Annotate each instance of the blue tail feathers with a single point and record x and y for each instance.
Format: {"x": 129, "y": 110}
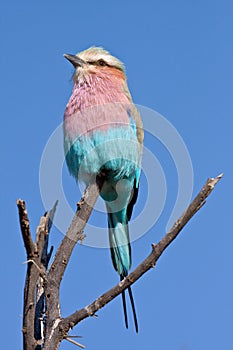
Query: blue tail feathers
{"x": 121, "y": 253}
{"x": 119, "y": 242}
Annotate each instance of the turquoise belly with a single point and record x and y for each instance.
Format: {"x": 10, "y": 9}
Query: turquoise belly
{"x": 114, "y": 152}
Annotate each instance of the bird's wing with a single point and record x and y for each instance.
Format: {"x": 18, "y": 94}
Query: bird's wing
{"x": 135, "y": 115}
{"x": 136, "y": 123}
{"x": 133, "y": 200}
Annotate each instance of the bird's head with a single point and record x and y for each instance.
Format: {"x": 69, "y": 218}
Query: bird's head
{"x": 95, "y": 61}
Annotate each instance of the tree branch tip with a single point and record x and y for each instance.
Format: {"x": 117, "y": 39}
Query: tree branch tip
{"x": 213, "y": 181}
{"x": 74, "y": 336}
{"x": 53, "y": 208}
{"x": 52, "y": 211}
{"x": 21, "y": 206}
{"x": 74, "y": 342}
{"x": 220, "y": 176}
{"x": 20, "y": 201}
{"x": 56, "y": 203}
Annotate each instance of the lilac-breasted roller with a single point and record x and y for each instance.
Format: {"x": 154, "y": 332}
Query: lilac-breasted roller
{"x": 103, "y": 137}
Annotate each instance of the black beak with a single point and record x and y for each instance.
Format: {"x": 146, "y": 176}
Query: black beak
{"x": 75, "y": 60}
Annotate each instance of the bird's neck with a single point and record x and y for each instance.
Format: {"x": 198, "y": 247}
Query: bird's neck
{"x": 97, "y": 89}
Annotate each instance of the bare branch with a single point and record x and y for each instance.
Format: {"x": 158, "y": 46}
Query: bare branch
{"x": 75, "y": 342}
{"x": 31, "y": 278}
{"x": 58, "y": 266}
{"x": 148, "y": 263}
{"x": 36, "y": 272}
{"x": 57, "y": 328}
{"x": 42, "y": 238}
{"x": 25, "y": 228}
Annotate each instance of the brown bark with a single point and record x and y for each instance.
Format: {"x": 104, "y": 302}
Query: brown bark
{"x": 56, "y": 327}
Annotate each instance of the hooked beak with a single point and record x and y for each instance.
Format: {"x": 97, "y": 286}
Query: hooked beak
{"x": 75, "y": 60}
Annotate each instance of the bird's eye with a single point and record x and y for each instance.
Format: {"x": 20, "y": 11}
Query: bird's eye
{"x": 102, "y": 63}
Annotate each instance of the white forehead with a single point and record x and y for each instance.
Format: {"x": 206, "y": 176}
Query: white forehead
{"x": 97, "y": 53}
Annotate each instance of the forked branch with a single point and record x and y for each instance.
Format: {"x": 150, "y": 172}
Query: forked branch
{"x": 149, "y": 262}
{"x": 57, "y": 328}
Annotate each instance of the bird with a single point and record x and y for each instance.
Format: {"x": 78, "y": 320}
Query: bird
{"x": 103, "y": 136}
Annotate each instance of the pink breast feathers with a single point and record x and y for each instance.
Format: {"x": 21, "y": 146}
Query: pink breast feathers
{"x": 95, "y": 107}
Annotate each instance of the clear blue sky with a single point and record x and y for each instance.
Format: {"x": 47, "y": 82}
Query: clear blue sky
{"x": 178, "y": 56}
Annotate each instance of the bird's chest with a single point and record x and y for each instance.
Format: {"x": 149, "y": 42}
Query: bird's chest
{"x": 95, "y": 107}
{"x": 98, "y": 134}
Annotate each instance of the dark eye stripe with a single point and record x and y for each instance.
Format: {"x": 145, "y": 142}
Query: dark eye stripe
{"x": 98, "y": 63}
{"x": 103, "y": 63}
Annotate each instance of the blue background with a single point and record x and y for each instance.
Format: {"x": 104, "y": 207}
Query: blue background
{"x": 178, "y": 56}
